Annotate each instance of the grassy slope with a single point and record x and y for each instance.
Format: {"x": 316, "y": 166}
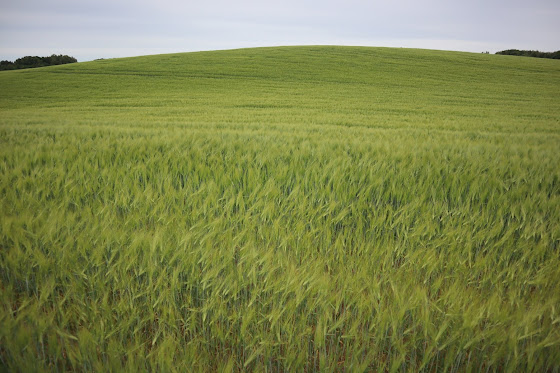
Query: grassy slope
{"x": 293, "y": 207}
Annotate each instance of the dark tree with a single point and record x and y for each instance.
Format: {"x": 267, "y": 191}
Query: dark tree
{"x": 7, "y": 65}
{"x": 35, "y": 61}
{"x": 517, "y": 52}
{"x": 29, "y": 61}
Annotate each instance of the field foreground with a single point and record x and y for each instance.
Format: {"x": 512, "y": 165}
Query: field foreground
{"x": 282, "y": 209}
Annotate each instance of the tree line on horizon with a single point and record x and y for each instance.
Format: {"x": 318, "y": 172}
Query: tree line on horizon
{"x": 59, "y": 59}
{"x": 530, "y": 53}
{"x": 35, "y": 61}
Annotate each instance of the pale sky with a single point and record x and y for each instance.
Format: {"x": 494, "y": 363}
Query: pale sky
{"x": 90, "y": 29}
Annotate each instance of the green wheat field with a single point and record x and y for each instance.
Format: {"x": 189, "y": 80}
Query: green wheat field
{"x": 287, "y": 209}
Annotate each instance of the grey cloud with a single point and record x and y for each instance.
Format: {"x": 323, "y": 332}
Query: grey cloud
{"x": 130, "y": 26}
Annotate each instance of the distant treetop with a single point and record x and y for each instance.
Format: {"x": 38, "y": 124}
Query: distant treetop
{"x": 516, "y": 52}
{"x": 34, "y": 61}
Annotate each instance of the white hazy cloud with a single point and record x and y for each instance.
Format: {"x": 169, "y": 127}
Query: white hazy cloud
{"x": 102, "y": 28}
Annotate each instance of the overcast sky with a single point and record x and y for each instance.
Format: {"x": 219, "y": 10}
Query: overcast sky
{"x": 89, "y": 29}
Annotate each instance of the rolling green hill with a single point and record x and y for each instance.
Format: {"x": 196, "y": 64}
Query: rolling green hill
{"x": 282, "y": 209}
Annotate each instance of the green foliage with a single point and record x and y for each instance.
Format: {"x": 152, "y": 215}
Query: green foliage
{"x": 281, "y": 209}
{"x": 34, "y": 61}
{"x": 517, "y": 52}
